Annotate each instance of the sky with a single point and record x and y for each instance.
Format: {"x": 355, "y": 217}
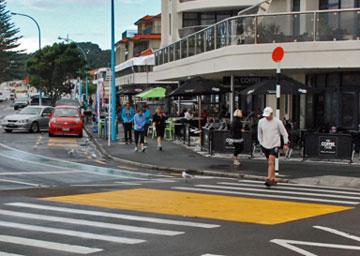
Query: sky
{"x": 81, "y": 20}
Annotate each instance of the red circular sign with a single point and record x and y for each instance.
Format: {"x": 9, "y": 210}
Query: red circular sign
{"x": 278, "y": 54}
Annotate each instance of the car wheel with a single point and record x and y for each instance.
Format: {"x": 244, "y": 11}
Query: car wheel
{"x": 81, "y": 134}
{"x": 15, "y": 108}
{"x": 35, "y": 127}
{"x": 8, "y": 130}
{"x": 51, "y": 135}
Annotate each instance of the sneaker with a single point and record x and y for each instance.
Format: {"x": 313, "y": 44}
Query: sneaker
{"x": 236, "y": 162}
{"x": 143, "y": 150}
{"x": 160, "y": 148}
{"x": 136, "y": 149}
{"x": 268, "y": 183}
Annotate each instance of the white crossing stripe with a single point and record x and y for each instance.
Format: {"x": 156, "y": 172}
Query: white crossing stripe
{"x": 302, "y": 185}
{"x": 9, "y": 254}
{"x": 339, "y": 233}
{"x": 113, "y": 215}
{"x": 211, "y": 255}
{"x": 72, "y": 233}
{"x": 274, "y": 191}
{"x": 91, "y": 223}
{"x": 266, "y": 195}
{"x": 48, "y": 245}
{"x": 281, "y": 187}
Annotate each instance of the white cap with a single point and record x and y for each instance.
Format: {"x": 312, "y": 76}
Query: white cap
{"x": 268, "y": 111}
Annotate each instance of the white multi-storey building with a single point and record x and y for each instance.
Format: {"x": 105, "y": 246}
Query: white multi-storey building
{"x": 321, "y": 39}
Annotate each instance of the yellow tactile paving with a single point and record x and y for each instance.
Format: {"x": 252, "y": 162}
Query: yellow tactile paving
{"x": 62, "y": 142}
{"x": 203, "y": 205}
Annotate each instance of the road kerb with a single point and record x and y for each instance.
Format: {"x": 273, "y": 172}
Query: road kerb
{"x": 106, "y": 155}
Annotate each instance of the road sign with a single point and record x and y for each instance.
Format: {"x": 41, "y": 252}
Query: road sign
{"x": 278, "y": 54}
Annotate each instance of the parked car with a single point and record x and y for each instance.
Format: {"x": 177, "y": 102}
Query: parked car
{"x": 66, "y": 120}
{"x": 21, "y": 102}
{"x": 31, "y": 119}
{"x": 2, "y": 97}
{"x": 68, "y": 102}
{"x": 45, "y": 101}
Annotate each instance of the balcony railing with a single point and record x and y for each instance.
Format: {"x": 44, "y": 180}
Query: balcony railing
{"x": 324, "y": 25}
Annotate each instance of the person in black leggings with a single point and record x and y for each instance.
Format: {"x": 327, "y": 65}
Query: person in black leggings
{"x": 159, "y": 123}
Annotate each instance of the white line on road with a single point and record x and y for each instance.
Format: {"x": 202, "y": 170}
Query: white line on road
{"x": 337, "y": 232}
{"x": 38, "y": 173}
{"x": 21, "y": 183}
{"x": 266, "y": 195}
{"x": 48, "y": 245}
{"x": 78, "y": 164}
{"x": 91, "y": 223}
{"x": 114, "y": 215}
{"x": 289, "y": 245}
{"x": 211, "y": 255}
{"x": 291, "y": 188}
{"x": 274, "y": 191}
{"x": 9, "y": 254}
{"x": 66, "y": 232}
{"x": 302, "y": 185}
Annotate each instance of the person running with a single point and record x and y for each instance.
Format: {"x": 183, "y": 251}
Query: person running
{"x": 159, "y": 123}
{"x": 236, "y": 132}
{"x": 269, "y": 131}
{"x": 139, "y": 126}
{"x": 127, "y": 116}
{"x": 147, "y": 114}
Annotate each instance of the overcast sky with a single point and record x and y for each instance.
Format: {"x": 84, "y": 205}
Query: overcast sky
{"x": 82, "y": 20}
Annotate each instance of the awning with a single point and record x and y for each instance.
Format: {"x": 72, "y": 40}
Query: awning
{"x": 288, "y": 86}
{"x": 130, "y": 91}
{"x": 148, "y": 60}
{"x": 153, "y": 93}
{"x": 199, "y": 86}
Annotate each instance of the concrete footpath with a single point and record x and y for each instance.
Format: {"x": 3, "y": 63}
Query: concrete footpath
{"x": 177, "y": 158}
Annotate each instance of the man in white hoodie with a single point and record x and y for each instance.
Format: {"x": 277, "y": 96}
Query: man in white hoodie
{"x": 269, "y": 131}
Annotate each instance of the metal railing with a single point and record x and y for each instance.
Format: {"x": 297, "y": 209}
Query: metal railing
{"x": 321, "y": 25}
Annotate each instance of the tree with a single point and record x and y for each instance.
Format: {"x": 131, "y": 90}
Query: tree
{"x": 97, "y": 58}
{"x": 51, "y": 68}
{"x": 11, "y": 60}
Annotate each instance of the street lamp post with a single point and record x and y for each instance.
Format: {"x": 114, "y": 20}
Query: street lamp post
{"x": 113, "y": 87}
{"x": 39, "y": 31}
{"x": 86, "y": 75}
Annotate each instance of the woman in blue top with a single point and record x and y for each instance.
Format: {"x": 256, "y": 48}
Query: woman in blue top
{"x": 147, "y": 114}
{"x": 139, "y": 128}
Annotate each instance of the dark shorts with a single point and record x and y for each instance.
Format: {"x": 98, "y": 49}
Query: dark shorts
{"x": 160, "y": 132}
{"x": 270, "y": 152}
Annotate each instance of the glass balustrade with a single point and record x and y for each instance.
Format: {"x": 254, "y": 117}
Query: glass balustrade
{"x": 330, "y": 25}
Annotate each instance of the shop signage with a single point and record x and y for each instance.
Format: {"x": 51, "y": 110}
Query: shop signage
{"x": 328, "y": 145}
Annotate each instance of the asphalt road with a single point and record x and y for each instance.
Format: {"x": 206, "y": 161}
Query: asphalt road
{"x": 60, "y": 197}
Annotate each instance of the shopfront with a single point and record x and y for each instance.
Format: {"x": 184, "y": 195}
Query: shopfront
{"x": 337, "y": 103}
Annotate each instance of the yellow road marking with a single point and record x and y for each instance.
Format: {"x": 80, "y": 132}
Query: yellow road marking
{"x": 198, "y": 205}
{"x": 63, "y": 145}
{"x": 62, "y": 141}
{"x": 100, "y": 162}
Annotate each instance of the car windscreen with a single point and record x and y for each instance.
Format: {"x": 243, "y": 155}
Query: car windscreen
{"x": 66, "y": 112}
{"x": 30, "y": 111}
{"x": 24, "y": 99}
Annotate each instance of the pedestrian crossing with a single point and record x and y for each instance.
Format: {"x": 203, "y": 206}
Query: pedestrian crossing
{"x": 283, "y": 191}
{"x": 37, "y": 226}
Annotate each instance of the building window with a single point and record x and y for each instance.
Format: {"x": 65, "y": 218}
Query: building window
{"x": 170, "y": 24}
{"x": 339, "y": 4}
{"x": 191, "y": 19}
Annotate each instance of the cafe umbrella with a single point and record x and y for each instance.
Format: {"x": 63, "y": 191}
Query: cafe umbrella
{"x": 197, "y": 87}
{"x": 154, "y": 93}
{"x": 289, "y": 86}
{"x": 130, "y": 91}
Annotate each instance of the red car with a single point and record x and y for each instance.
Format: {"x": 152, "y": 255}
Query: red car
{"x": 66, "y": 120}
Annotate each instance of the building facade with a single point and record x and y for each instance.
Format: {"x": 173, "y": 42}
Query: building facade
{"x": 321, "y": 39}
